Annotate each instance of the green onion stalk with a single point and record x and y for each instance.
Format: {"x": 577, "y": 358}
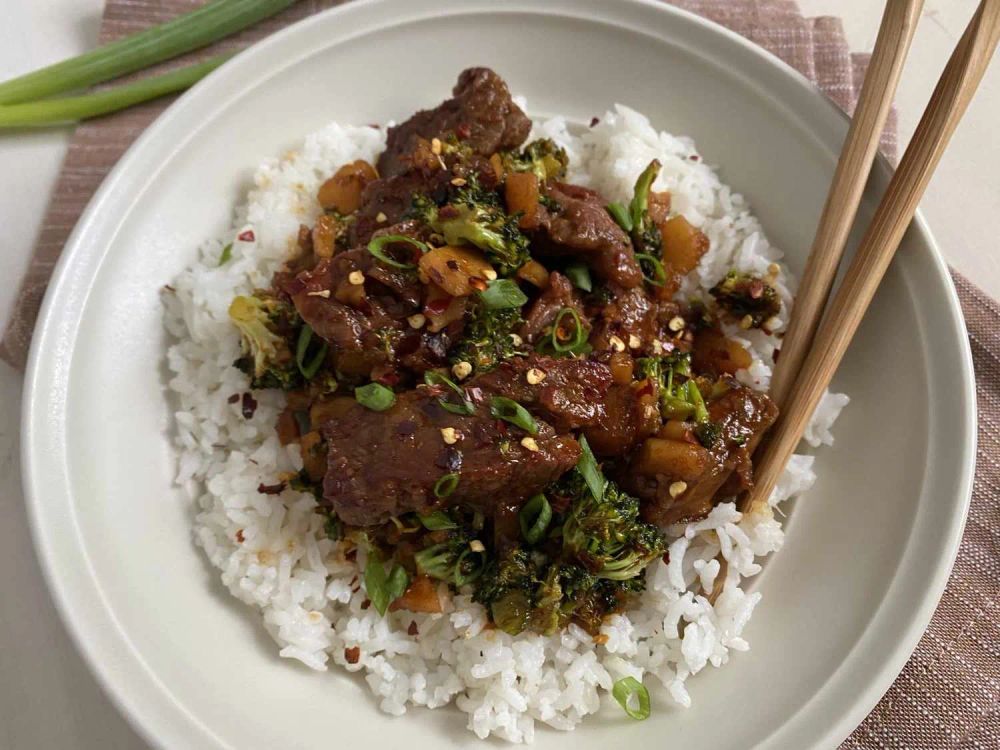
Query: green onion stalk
{"x": 199, "y": 28}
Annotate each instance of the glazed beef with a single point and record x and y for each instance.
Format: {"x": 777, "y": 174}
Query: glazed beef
{"x": 744, "y": 415}
{"x": 577, "y": 224}
{"x": 570, "y": 395}
{"x": 382, "y": 464}
{"x": 365, "y": 324}
{"x": 629, "y": 415}
{"x": 480, "y": 115}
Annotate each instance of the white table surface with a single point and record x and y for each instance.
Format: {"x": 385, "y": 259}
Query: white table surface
{"x": 48, "y": 698}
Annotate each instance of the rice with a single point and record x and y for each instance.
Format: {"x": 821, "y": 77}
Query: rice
{"x": 272, "y": 552}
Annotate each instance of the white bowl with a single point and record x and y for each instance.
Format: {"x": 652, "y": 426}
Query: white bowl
{"x": 868, "y": 550}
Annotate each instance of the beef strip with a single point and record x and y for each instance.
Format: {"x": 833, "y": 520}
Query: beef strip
{"x": 631, "y": 317}
{"x": 366, "y": 325}
{"x": 744, "y": 415}
{"x": 480, "y": 114}
{"x": 570, "y": 395}
{"x": 382, "y": 464}
{"x": 576, "y": 223}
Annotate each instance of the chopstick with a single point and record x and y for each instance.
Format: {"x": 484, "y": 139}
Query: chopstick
{"x": 948, "y": 104}
{"x": 899, "y": 22}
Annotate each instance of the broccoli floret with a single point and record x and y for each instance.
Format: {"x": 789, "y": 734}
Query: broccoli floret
{"x": 543, "y": 157}
{"x": 607, "y": 536}
{"x": 646, "y": 238}
{"x": 475, "y": 216}
{"x": 680, "y": 396}
{"x": 453, "y": 560}
{"x": 264, "y": 321}
{"x": 747, "y": 298}
{"x": 507, "y": 589}
{"x": 487, "y": 339}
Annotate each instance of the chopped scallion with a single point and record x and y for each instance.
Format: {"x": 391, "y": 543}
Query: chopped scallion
{"x": 658, "y": 276}
{"x": 375, "y": 396}
{"x": 377, "y": 247}
{"x": 501, "y": 294}
{"x": 509, "y": 410}
{"x": 579, "y": 276}
{"x": 465, "y": 406}
{"x": 578, "y": 336}
{"x": 632, "y": 696}
{"x": 621, "y": 215}
{"x": 444, "y": 487}
{"x": 308, "y": 365}
{"x": 382, "y": 588}
{"x": 535, "y": 517}
{"x": 227, "y": 253}
{"x": 587, "y": 466}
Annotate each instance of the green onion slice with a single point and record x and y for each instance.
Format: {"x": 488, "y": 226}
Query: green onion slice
{"x": 509, "y": 410}
{"x": 377, "y": 248}
{"x": 383, "y": 589}
{"x": 308, "y": 366}
{"x": 587, "y": 466}
{"x": 633, "y": 697}
{"x": 640, "y": 200}
{"x": 579, "y": 276}
{"x": 73, "y": 108}
{"x": 375, "y": 396}
{"x": 465, "y": 406}
{"x": 461, "y": 577}
{"x": 438, "y": 520}
{"x": 659, "y": 275}
{"x": 535, "y": 517}
{"x": 227, "y": 253}
{"x": 621, "y": 215}
{"x": 444, "y": 487}
{"x": 577, "y": 340}
{"x": 501, "y": 294}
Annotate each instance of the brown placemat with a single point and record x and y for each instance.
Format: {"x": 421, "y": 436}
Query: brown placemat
{"x": 948, "y": 695}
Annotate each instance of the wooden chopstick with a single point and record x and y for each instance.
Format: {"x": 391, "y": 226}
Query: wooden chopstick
{"x": 948, "y": 104}
{"x": 899, "y": 22}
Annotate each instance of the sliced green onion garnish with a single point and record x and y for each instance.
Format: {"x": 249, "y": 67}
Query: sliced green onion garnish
{"x": 620, "y": 214}
{"x": 502, "y": 293}
{"x": 444, "y": 487}
{"x": 587, "y": 466}
{"x": 578, "y": 337}
{"x": 375, "y": 396}
{"x": 640, "y": 200}
{"x": 465, "y": 406}
{"x": 659, "y": 275}
{"x": 438, "y": 520}
{"x": 509, "y": 410}
{"x": 377, "y": 248}
{"x": 308, "y": 367}
{"x": 579, "y": 275}
{"x": 461, "y": 577}
{"x": 383, "y": 589}
{"x": 70, "y": 109}
{"x": 227, "y": 253}
{"x": 535, "y": 516}
{"x": 198, "y": 28}
{"x": 632, "y": 696}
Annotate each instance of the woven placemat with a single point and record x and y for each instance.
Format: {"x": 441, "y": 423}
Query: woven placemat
{"x": 948, "y": 695}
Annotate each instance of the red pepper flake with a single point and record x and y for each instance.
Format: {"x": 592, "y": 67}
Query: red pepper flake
{"x": 413, "y": 629}
{"x": 452, "y": 264}
{"x": 694, "y": 157}
{"x": 666, "y": 557}
{"x": 775, "y": 355}
{"x": 501, "y": 426}
{"x": 352, "y": 654}
{"x": 270, "y": 489}
{"x": 233, "y": 399}
{"x": 594, "y": 121}
{"x": 464, "y": 130}
{"x": 239, "y": 536}
{"x": 645, "y": 389}
{"x": 366, "y": 604}
{"x": 390, "y": 378}
{"x": 437, "y": 306}
{"x": 352, "y": 555}
{"x": 247, "y": 236}
{"x": 249, "y": 405}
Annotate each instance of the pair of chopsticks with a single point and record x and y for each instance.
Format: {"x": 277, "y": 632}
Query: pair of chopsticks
{"x": 815, "y": 343}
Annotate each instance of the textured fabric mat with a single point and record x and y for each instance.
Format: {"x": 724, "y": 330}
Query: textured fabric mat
{"x": 948, "y": 695}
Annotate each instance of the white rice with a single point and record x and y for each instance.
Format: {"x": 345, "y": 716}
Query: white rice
{"x": 272, "y": 552}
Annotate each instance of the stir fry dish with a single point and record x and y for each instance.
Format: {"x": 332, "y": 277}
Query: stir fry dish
{"x": 493, "y": 376}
